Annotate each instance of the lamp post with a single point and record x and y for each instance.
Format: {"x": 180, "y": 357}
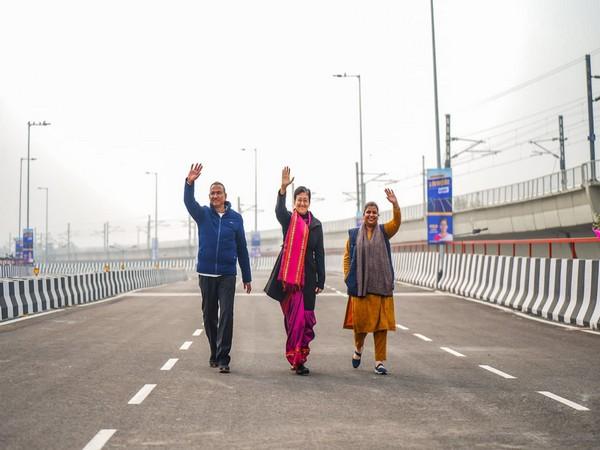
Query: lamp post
{"x": 363, "y": 193}
{"x": 20, "y": 236}
{"x": 29, "y": 125}
{"x": 155, "y": 243}
{"x": 255, "y": 189}
{"x": 41, "y": 188}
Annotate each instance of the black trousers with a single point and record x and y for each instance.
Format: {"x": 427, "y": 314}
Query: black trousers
{"x": 217, "y": 310}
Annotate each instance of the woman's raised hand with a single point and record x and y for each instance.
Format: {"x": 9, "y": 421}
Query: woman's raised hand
{"x": 285, "y": 179}
{"x": 195, "y": 171}
{"x": 391, "y": 197}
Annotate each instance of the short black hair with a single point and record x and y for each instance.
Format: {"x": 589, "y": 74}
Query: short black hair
{"x": 302, "y": 190}
{"x": 218, "y": 183}
{"x": 370, "y": 204}
{"x": 443, "y": 219}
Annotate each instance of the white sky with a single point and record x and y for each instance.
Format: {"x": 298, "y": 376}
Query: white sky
{"x": 131, "y": 86}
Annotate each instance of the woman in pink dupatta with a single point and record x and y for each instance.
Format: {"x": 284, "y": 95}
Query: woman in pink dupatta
{"x": 299, "y": 274}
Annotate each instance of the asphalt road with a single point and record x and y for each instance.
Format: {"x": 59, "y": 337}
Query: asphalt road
{"x": 70, "y": 376}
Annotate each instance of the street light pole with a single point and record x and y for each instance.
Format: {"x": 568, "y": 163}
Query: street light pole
{"x": 29, "y": 125}
{"x": 363, "y": 192}
{"x": 20, "y": 193}
{"x": 435, "y": 92}
{"x": 155, "y": 246}
{"x": 46, "y": 246}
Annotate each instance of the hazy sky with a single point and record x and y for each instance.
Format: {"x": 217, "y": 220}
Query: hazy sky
{"x": 136, "y": 86}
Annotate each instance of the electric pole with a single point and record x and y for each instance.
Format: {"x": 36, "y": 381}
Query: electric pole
{"x": 590, "y": 102}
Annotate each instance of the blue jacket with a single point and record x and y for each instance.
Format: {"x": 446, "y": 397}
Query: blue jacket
{"x": 351, "y": 279}
{"x": 221, "y": 240}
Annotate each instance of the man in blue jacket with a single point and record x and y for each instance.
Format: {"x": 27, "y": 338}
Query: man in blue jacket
{"x": 221, "y": 242}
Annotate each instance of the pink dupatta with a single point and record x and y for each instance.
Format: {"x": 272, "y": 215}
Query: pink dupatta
{"x": 291, "y": 272}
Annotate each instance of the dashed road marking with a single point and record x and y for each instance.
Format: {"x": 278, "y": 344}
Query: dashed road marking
{"x": 101, "y": 438}
{"x": 142, "y": 394}
{"x": 453, "y": 352}
{"x": 169, "y": 364}
{"x": 497, "y": 372}
{"x": 186, "y": 345}
{"x": 197, "y": 332}
{"x": 564, "y": 401}
{"x": 401, "y": 327}
{"x": 423, "y": 338}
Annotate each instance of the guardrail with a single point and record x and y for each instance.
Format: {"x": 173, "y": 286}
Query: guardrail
{"x": 498, "y": 245}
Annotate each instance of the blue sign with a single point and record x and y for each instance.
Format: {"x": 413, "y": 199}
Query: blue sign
{"x": 28, "y": 245}
{"x": 439, "y": 206}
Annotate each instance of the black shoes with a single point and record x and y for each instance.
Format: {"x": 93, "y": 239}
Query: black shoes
{"x": 224, "y": 369}
{"x": 380, "y": 369}
{"x": 212, "y": 363}
{"x": 355, "y": 360}
{"x": 302, "y": 370}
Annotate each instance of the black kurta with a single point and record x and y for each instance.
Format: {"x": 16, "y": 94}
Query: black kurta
{"x": 314, "y": 261}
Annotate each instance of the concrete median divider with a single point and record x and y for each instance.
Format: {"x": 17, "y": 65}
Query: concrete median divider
{"x": 21, "y": 297}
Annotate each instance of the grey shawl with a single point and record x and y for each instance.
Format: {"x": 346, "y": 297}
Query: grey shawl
{"x": 373, "y": 269}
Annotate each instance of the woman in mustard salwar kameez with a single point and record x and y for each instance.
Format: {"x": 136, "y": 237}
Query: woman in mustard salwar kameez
{"x": 369, "y": 276}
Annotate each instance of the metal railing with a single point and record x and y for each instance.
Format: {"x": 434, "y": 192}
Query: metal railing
{"x": 527, "y": 247}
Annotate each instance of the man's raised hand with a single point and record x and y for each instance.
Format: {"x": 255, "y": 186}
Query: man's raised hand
{"x": 391, "y": 197}
{"x": 195, "y": 171}
{"x": 285, "y": 179}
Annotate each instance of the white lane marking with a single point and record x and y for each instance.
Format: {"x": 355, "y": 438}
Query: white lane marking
{"x": 591, "y": 332}
{"x": 420, "y": 336}
{"x": 339, "y": 292}
{"x": 564, "y": 401}
{"x": 142, "y": 394}
{"x": 498, "y": 372}
{"x": 83, "y": 305}
{"x": 101, "y": 438}
{"x": 453, "y": 352}
{"x": 186, "y": 345}
{"x": 402, "y": 327}
{"x": 517, "y": 313}
{"x": 169, "y": 364}
{"x": 197, "y": 332}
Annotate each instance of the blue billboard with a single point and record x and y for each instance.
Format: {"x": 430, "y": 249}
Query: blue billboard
{"x": 439, "y": 206}
{"x": 28, "y": 245}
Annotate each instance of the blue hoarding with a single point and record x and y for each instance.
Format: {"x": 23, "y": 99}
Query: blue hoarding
{"x": 439, "y": 206}
{"x": 28, "y": 245}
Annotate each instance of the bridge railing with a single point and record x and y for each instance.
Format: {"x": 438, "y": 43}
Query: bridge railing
{"x": 582, "y": 247}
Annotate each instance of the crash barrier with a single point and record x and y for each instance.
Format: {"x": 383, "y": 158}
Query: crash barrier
{"x": 32, "y": 295}
{"x": 78, "y": 267}
{"x": 562, "y": 290}
{"x": 13, "y": 271}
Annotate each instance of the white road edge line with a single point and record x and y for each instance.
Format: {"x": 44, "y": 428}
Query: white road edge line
{"x": 101, "y": 438}
{"x": 169, "y": 364}
{"x": 198, "y": 332}
{"x": 497, "y": 372}
{"x": 420, "y": 336}
{"x": 142, "y": 394}
{"x": 453, "y": 352}
{"x": 401, "y": 327}
{"x": 186, "y": 345}
{"x": 96, "y": 302}
{"x": 519, "y": 313}
{"x": 564, "y": 401}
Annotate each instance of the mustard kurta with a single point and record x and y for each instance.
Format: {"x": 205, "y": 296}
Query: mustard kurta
{"x": 372, "y": 312}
